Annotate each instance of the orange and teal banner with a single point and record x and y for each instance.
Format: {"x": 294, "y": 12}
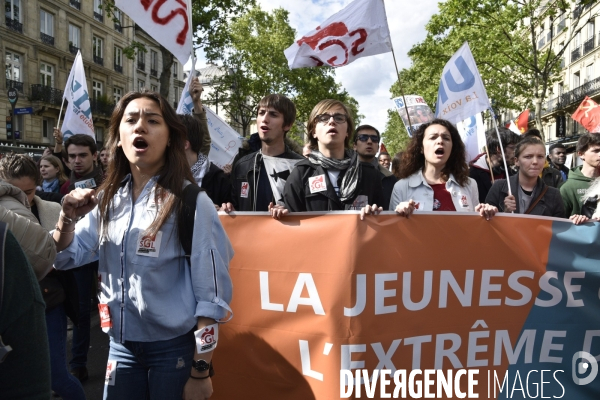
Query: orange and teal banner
{"x": 503, "y": 309}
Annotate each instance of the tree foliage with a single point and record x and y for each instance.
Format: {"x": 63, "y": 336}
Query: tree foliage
{"x": 504, "y": 37}
{"x": 254, "y": 59}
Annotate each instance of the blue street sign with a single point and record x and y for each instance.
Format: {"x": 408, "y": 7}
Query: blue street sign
{"x": 26, "y": 110}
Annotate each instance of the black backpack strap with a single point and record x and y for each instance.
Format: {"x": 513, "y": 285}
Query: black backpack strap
{"x": 186, "y": 218}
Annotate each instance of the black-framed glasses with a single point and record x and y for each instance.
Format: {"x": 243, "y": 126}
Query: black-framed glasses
{"x": 365, "y": 138}
{"x": 337, "y": 117}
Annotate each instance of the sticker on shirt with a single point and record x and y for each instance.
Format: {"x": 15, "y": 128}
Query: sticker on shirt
{"x": 317, "y": 184}
{"x": 149, "y": 246}
{"x": 360, "y": 202}
{"x": 111, "y": 373}
{"x": 245, "y": 190}
{"x": 463, "y": 201}
{"x": 436, "y": 204}
{"x": 104, "y": 311}
{"x": 86, "y": 184}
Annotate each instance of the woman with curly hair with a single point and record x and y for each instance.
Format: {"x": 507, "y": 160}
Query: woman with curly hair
{"x": 434, "y": 175}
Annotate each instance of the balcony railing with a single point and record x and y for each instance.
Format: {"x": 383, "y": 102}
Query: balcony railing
{"x": 589, "y": 45}
{"x": 119, "y": 68}
{"x": 541, "y": 43}
{"x": 101, "y": 107}
{"x": 99, "y": 60}
{"x": 14, "y": 84}
{"x": 14, "y": 25}
{"x": 118, "y": 28}
{"x": 46, "y": 94}
{"x": 47, "y": 39}
{"x": 75, "y": 4}
{"x": 98, "y": 17}
{"x": 153, "y": 72}
{"x": 576, "y": 54}
{"x": 141, "y": 66}
{"x": 574, "y": 96}
{"x": 73, "y": 50}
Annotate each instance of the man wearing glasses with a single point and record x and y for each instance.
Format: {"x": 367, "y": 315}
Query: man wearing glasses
{"x": 366, "y": 145}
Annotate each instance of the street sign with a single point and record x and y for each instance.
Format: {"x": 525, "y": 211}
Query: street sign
{"x": 21, "y": 111}
{"x": 13, "y": 96}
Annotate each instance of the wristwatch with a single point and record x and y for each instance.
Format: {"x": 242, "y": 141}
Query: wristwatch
{"x": 201, "y": 365}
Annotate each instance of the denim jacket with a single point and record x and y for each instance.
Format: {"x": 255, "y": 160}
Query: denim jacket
{"x": 416, "y": 187}
{"x": 152, "y": 292}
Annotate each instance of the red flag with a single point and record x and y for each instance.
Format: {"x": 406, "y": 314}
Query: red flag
{"x": 588, "y": 115}
{"x": 523, "y": 121}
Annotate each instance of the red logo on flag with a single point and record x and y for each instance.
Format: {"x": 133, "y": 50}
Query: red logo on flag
{"x": 336, "y": 35}
{"x": 181, "y": 37}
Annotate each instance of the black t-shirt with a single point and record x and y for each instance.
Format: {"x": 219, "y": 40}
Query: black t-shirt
{"x": 264, "y": 194}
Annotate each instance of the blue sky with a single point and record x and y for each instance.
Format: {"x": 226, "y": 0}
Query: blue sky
{"x": 367, "y": 79}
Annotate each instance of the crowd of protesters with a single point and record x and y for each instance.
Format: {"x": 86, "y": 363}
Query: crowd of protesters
{"x": 116, "y": 220}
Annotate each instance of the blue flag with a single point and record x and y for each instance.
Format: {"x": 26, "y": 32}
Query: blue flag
{"x": 461, "y": 93}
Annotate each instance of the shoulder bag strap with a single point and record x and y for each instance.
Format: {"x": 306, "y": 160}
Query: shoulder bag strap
{"x": 537, "y": 200}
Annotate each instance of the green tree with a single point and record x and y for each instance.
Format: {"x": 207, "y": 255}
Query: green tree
{"x": 254, "y": 57}
{"x": 504, "y": 37}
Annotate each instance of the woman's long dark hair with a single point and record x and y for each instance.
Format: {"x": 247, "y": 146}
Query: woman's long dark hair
{"x": 169, "y": 185}
{"x": 413, "y": 159}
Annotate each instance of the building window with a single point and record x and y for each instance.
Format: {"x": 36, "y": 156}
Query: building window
{"x": 154, "y": 88}
{"x": 175, "y": 69}
{"x": 97, "y": 48}
{"x": 117, "y": 93}
{"x": 561, "y": 88}
{"x": 141, "y": 85}
{"x": 141, "y": 60}
{"x": 47, "y": 127}
{"x": 590, "y": 30}
{"x": 153, "y": 63}
{"x": 98, "y": 11}
{"x": 46, "y": 74}
{"x": 118, "y": 59}
{"x": 46, "y": 23}
{"x": 99, "y": 132}
{"x": 13, "y": 71}
{"x": 97, "y": 89}
{"x": 576, "y": 40}
{"x": 118, "y": 16}
{"x": 74, "y": 41}
{"x": 13, "y": 10}
{"x": 576, "y": 80}
{"x": 589, "y": 73}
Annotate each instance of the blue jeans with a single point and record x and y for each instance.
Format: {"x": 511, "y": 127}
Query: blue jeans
{"x": 81, "y": 333}
{"x": 63, "y": 383}
{"x": 151, "y": 370}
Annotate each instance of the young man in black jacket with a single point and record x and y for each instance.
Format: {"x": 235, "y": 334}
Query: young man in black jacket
{"x": 252, "y": 189}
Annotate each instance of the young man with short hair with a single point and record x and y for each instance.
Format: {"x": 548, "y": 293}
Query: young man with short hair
{"x": 252, "y": 189}
{"x": 82, "y": 153}
{"x": 580, "y": 178}
{"x": 366, "y": 145}
{"x": 557, "y": 156}
{"x": 385, "y": 160}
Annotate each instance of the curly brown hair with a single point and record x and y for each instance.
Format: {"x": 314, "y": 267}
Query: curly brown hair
{"x": 413, "y": 159}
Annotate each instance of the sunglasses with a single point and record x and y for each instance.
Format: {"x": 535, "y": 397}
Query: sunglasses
{"x": 365, "y": 138}
{"x": 338, "y": 118}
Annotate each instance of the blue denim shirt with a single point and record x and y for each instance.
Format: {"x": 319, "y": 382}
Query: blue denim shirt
{"x": 154, "y": 298}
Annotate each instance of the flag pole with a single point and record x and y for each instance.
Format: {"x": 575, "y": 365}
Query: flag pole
{"x": 397, "y": 71}
{"x": 501, "y": 150}
{"x": 193, "y": 68}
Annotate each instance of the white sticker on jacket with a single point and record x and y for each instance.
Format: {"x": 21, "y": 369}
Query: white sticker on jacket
{"x": 317, "y": 184}
{"x": 149, "y": 246}
{"x": 86, "y": 184}
{"x": 245, "y": 190}
{"x": 111, "y": 373}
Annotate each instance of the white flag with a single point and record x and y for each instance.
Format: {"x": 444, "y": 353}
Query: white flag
{"x": 461, "y": 93}
{"x": 166, "y": 21}
{"x": 359, "y": 30}
{"x": 278, "y": 170}
{"x": 225, "y": 141}
{"x": 78, "y": 115}
{"x": 186, "y": 104}
{"x": 472, "y": 132}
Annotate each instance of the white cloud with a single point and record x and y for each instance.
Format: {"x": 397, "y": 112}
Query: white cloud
{"x": 367, "y": 79}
